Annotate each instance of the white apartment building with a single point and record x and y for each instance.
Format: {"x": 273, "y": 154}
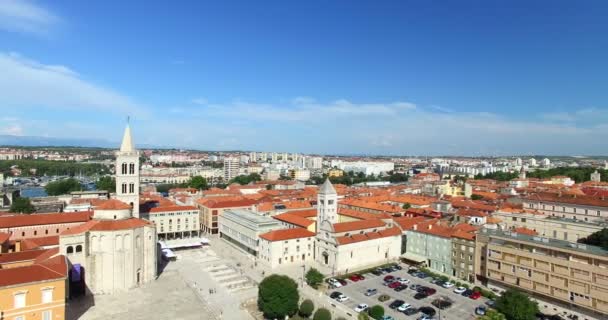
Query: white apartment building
{"x": 231, "y": 168}
{"x": 286, "y": 247}
{"x": 314, "y": 162}
{"x": 175, "y": 222}
{"x": 299, "y": 174}
{"x": 243, "y": 227}
{"x": 584, "y": 208}
{"x": 366, "y": 167}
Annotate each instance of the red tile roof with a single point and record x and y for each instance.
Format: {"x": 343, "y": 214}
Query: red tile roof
{"x": 107, "y": 225}
{"x": 362, "y": 215}
{"x": 526, "y": 231}
{"x": 24, "y": 220}
{"x": 172, "y": 209}
{"x": 394, "y": 231}
{"x": 112, "y": 204}
{"x": 309, "y": 213}
{"x": 287, "y": 234}
{"x": 294, "y": 219}
{"x": 219, "y": 203}
{"x": 570, "y": 199}
{"x": 33, "y": 243}
{"x": 358, "y": 225}
{"x": 406, "y": 223}
{"x": 52, "y": 268}
{"x": 21, "y": 256}
{"x": 4, "y": 237}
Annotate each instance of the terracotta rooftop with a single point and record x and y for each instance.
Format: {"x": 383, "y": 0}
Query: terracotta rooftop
{"x": 358, "y": 225}
{"x": 4, "y": 237}
{"x": 49, "y": 268}
{"x": 36, "y": 219}
{"x": 34, "y": 243}
{"x": 107, "y": 225}
{"x": 394, "y": 231}
{"x": 570, "y": 199}
{"x": 172, "y": 209}
{"x": 287, "y": 234}
{"x": 113, "y": 204}
{"x": 308, "y": 213}
{"x": 526, "y": 231}
{"x": 294, "y": 219}
{"x": 29, "y": 255}
{"x": 218, "y": 203}
{"x": 406, "y": 223}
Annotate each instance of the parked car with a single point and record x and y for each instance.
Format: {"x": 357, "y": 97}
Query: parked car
{"x": 394, "y": 284}
{"x": 389, "y": 278}
{"x": 467, "y": 293}
{"x": 491, "y": 303}
{"x": 420, "y": 295}
{"x": 430, "y": 291}
{"x": 421, "y": 275}
{"x": 335, "y": 294}
{"x": 356, "y": 277}
{"x": 415, "y": 287}
{"x": 428, "y": 311}
{"x": 422, "y": 288}
{"x": 442, "y": 303}
{"x": 412, "y": 270}
{"x": 387, "y": 318}
{"x": 425, "y": 317}
{"x": 342, "y": 298}
{"x": 342, "y": 282}
{"x": 403, "y": 307}
{"x": 447, "y": 285}
{"x": 361, "y": 307}
{"x": 377, "y": 272}
{"x": 334, "y": 283}
{"x": 396, "y": 267}
{"x": 410, "y": 311}
{"x": 460, "y": 290}
{"x": 371, "y": 292}
{"x": 383, "y": 297}
{"x": 480, "y": 311}
{"x": 396, "y": 304}
{"x": 475, "y": 295}
{"x": 403, "y": 280}
{"x": 401, "y": 287}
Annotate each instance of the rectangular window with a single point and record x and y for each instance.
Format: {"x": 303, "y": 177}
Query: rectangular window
{"x": 19, "y": 300}
{"x": 47, "y": 295}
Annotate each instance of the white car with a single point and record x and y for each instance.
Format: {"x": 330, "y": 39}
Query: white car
{"x": 334, "y": 283}
{"x": 460, "y": 290}
{"x": 447, "y": 285}
{"x": 361, "y": 307}
{"x": 403, "y": 281}
{"x": 342, "y": 298}
{"x": 404, "y": 307}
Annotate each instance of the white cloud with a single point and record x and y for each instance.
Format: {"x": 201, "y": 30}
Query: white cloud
{"x": 27, "y": 83}
{"x": 26, "y": 17}
{"x": 200, "y": 101}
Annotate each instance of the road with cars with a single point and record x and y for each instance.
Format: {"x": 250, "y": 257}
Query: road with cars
{"x": 462, "y": 308}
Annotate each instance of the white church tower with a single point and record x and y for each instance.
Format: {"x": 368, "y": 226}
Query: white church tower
{"x": 127, "y": 173}
{"x": 327, "y": 204}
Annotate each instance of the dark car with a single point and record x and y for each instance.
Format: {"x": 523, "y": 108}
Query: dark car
{"x": 377, "y": 272}
{"x": 414, "y": 287}
{"x": 356, "y": 277}
{"x": 396, "y": 267}
{"x": 422, "y": 288}
{"x": 371, "y": 292}
{"x": 430, "y": 291}
{"x": 389, "y": 278}
{"x": 335, "y": 294}
{"x": 401, "y": 287}
{"x": 394, "y": 284}
{"x": 467, "y": 293}
{"x": 410, "y": 311}
{"x": 412, "y": 271}
{"x": 442, "y": 303}
{"x": 396, "y": 304}
{"x": 420, "y": 295}
{"x": 421, "y": 275}
{"x": 428, "y": 311}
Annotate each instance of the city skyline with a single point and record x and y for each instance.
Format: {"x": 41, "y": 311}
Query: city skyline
{"x": 327, "y": 78}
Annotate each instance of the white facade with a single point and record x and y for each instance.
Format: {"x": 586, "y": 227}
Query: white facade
{"x": 175, "y": 222}
{"x": 231, "y": 168}
{"x": 242, "y": 228}
{"x": 127, "y": 173}
{"x": 286, "y": 252}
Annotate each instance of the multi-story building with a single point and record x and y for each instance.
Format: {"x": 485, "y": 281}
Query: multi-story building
{"x": 243, "y": 228}
{"x": 463, "y": 255}
{"x": 231, "y": 168}
{"x": 210, "y": 209}
{"x": 433, "y": 241}
{"x": 571, "y": 276}
{"x": 286, "y": 247}
{"x": 22, "y": 226}
{"x": 314, "y": 162}
{"x": 33, "y": 285}
{"x": 299, "y": 174}
{"x": 579, "y": 207}
{"x": 175, "y": 222}
{"x": 547, "y": 226}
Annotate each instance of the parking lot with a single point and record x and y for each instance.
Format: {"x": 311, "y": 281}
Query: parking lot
{"x": 463, "y": 308}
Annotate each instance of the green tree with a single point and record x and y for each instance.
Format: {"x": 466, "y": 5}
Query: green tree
{"x": 313, "y": 277}
{"x": 406, "y": 206}
{"x": 246, "y": 179}
{"x": 599, "y": 238}
{"x": 476, "y": 197}
{"x": 322, "y": 314}
{"x": 61, "y": 187}
{"x": 278, "y": 296}
{"x": 516, "y": 305}
{"x": 22, "y": 205}
{"x": 306, "y": 308}
{"x": 362, "y": 316}
{"x": 198, "y": 183}
{"x": 492, "y": 315}
{"x": 376, "y": 312}
{"x": 106, "y": 183}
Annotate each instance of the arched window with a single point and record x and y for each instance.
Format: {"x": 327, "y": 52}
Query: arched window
{"x": 124, "y": 168}
{"x": 132, "y": 168}
{"x": 131, "y": 187}
{"x": 70, "y": 250}
{"x": 79, "y": 248}
{"x": 124, "y": 188}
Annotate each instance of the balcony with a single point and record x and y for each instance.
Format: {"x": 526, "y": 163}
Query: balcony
{"x": 578, "y": 287}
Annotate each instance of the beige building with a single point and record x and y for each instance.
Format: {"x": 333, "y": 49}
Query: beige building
{"x": 212, "y": 208}
{"x": 463, "y": 255}
{"x": 579, "y": 207}
{"x": 547, "y": 225}
{"x": 286, "y": 247}
{"x": 175, "y": 222}
{"x": 571, "y": 276}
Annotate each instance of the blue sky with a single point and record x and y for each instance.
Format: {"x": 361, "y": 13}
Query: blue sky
{"x": 377, "y": 77}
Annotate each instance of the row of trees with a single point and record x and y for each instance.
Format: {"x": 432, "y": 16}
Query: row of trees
{"x": 599, "y": 239}
{"x": 246, "y": 179}
{"x": 196, "y": 182}
{"x": 50, "y": 168}
{"x": 577, "y": 174}
{"x": 57, "y": 188}
{"x": 350, "y": 178}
